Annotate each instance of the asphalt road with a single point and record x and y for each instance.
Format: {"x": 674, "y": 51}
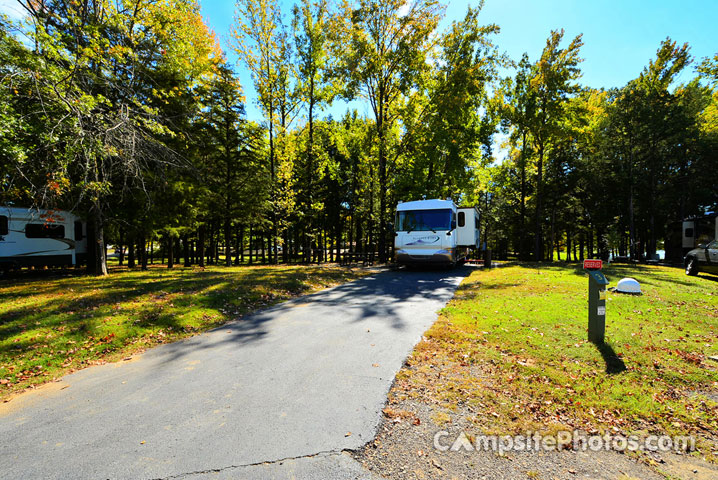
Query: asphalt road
{"x": 278, "y": 394}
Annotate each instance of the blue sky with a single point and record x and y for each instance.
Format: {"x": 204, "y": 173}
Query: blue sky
{"x": 620, "y": 36}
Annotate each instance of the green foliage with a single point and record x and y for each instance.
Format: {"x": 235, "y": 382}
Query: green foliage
{"x": 450, "y": 122}
{"x": 614, "y": 170}
{"x": 128, "y": 113}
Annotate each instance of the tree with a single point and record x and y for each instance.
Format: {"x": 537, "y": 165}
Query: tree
{"x": 552, "y": 84}
{"x": 98, "y": 61}
{"x": 519, "y": 108}
{"x": 260, "y": 40}
{"x": 233, "y": 175}
{"x": 313, "y": 32}
{"x": 388, "y": 45}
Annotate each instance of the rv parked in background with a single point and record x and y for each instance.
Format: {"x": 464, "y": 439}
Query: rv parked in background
{"x": 434, "y": 232}
{"x": 684, "y": 236}
{"x": 41, "y": 238}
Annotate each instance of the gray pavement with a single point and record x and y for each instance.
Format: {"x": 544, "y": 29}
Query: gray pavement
{"x": 278, "y": 394}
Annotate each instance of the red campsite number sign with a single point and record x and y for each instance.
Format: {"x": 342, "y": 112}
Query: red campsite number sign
{"x": 592, "y": 264}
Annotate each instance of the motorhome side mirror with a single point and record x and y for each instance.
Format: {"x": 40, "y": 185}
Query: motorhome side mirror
{"x": 453, "y": 224}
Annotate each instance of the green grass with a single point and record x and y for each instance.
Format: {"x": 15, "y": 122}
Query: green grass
{"x": 512, "y": 345}
{"x": 51, "y": 325}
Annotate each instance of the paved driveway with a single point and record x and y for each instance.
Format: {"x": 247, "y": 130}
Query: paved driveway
{"x": 276, "y": 394}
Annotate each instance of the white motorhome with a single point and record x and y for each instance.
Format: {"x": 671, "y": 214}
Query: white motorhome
{"x": 36, "y": 238}
{"x": 434, "y": 232}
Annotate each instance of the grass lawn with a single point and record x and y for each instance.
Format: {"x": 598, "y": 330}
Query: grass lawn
{"x": 51, "y": 325}
{"x": 512, "y": 347}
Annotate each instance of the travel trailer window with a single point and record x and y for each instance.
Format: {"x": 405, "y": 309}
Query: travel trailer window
{"x": 462, "y": 219}
{"x": 689, "y": 233}
{"x": 78, "y": 231}
{"x": 3, "y": 225}
{"x": 424, "y": 220}
{"x": 40, "y": 230}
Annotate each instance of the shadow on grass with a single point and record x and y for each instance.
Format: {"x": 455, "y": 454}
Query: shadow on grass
{"x": 711, "y": 278}
{"x": 614, "y": 364}
{"x": 645, "y": 274}
{"x": 225, "y": 293}
{"x": 76, "y": 308}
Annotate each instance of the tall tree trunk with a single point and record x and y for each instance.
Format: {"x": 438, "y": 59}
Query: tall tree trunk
{"x": 185, "y": 245}
{"x": 227, "y": 242}
{"x": 285, "y": 249}
{"x": 272, "y": 162}
{"x": 241, "y": 243}
{"x": 121, "y": 248}
{"x": 131, "y": 252}
{"x": 142, "y": 245}
{"x": 261, "y": 239}
{"x": 97, "y": 261}
{"x": 554, "y": 243}
{"x": 631, "y": 222}
{"x": 237, "y": 245}
{"x": 522, "y": 229}
{"x": 170, "y": 252}
{"x": 538, "y": 239}
{"x": 200, "y": 244}
{"x": 382, "y": 186}
{"x": 250, "y": 244}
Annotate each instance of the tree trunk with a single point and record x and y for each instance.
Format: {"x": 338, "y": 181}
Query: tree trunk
{"x": 121, "y": 248}
{"x": 250, "y": 243}
{"x": 170, "y": 252}
{"x": 200, "y": 245}
{"x": 522, "y": 229}
{"x": 285, "y": 249}
{"x": 185, "y": 245}
{"x": 227, "y": 242}
{"x": 97, "y": 262}
{"x": 237, "y": 245}
{"x": 142, "y": 245}
{"x": 382, "y": 196}
{"x": 264, "y": 257}
{"x": 538, "y": 240}
{"x": 554, "y": 243}
{"x": 131, "y": 252}
{"x": 241, "y": 244}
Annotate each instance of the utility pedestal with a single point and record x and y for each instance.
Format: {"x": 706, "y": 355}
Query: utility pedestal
{"x": 596, "y": 301}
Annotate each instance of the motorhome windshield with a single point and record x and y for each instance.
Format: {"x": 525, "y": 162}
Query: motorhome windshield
{"x": 423, "y": 220}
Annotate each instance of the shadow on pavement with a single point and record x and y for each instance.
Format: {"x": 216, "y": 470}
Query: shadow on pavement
{"x": 378, "y": 296}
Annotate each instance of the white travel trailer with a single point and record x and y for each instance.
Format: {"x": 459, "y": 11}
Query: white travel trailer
{"x": 434, "y": 232}
{"x": 699, "y": 230}
{"x": 36, "y": 238}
